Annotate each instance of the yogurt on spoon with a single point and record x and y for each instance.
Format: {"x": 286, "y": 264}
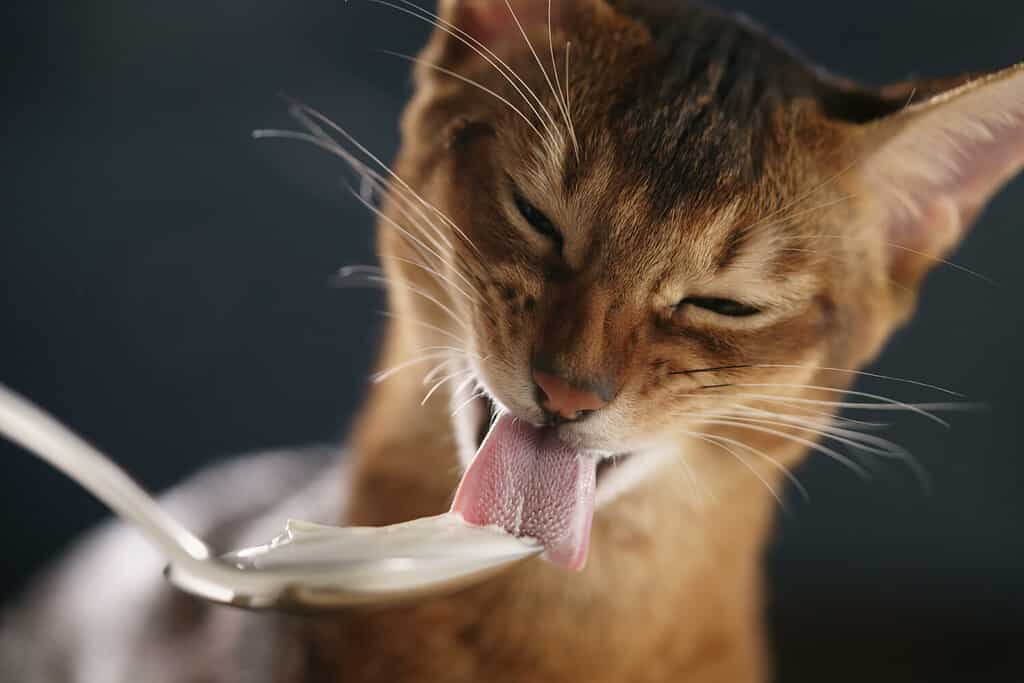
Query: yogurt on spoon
{"x": 309, "y": 566}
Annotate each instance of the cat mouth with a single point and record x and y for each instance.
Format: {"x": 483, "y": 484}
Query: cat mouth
{"x": 532, "y": 482}
{"x": 489, "y": 412}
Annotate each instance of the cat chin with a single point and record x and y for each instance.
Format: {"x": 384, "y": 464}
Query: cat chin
{"x": 617, "y": 473}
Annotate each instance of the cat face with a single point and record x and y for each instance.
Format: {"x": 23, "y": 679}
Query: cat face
{"x": 652, "y": 218}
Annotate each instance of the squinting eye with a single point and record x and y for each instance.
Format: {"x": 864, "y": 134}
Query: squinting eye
{"x": 727, "y": 307}
{"x": 538, "y": 221}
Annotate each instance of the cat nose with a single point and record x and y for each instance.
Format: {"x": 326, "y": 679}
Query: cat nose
{"x": 566, "y": 401}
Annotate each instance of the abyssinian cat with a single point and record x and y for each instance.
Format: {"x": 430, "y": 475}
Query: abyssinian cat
{"x": 636, "y": 250}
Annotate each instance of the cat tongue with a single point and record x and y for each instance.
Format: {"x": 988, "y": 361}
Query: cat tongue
{"x": 526, "y": 481}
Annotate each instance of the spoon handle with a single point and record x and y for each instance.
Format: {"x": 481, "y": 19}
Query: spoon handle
{"x": 25, "y": 424}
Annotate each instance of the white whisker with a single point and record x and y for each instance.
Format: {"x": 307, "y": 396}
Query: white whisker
{"x": 419, "y": 246}
{"x": 441, "y": 383}
{"x": 711, "y": 440}
{"x": 462, "y": 406}
{"x": 383, "y": 375}
{"x": 875, "y": 397}
{"x": 536, "y": 57}
{"x": 385, "y": 168}
{"x": 436, "y": 274}
{"x": 868, "y": 443}
{"x": 465, "y": 384}
{"x": 468, "y": 81}
{"x": 832, "y": 453}
{"x": 425, "y": 325}
{"x": 481, "y": 50}
{"x": 432, "y": 374}
{"x": 370, "y": 179}
{"x": 786, "y": 472}
{"x": 810, "y": 412}
{"x": 425, "y": 295}
{"x": 562, "y": 95}
{"x": 931, "y": 257}
{"x": 369, "y": 175}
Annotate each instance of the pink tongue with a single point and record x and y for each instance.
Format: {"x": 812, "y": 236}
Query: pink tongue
{"x": 526, "y": 481}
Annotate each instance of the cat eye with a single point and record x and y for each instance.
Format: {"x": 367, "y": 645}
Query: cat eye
{"x": 733, "y": 309}
{"x": 538, "y": 221}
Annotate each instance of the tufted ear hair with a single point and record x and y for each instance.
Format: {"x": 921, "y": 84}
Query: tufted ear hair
{"x": 930, "y": 168}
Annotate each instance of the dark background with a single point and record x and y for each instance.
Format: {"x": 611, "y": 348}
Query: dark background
{"x": 164, "y": 291}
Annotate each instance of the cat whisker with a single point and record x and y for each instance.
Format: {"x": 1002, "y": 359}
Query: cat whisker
{"x": 814, "y": 387}
{"x": 695, "y": 483}
{"x": 811, "y": 413}
{"x": 825, "y": 427}
{"x": 372, "y": 189}
{"x": 485, "y": 53}
{"x": 354, "y": 271}
{"x": 835, "y": 257}
{"x": 742, "y": 460}
{"x": 913, "y": 407}
{"x": 308, "y": 118}
{"x": 309, "y": 111}
{"x": 441, "y": 382}
{"x": 861, "y": 373}
{"x": 868, "y": 443}
{"x": 370, "y": 179}
{"x": 807, "y": 443}
{"x": 332, "y": 146}
{"x": 931, "y": 257}
{"x": 432, "y": 374}
{"x": 465, "y": 384}
{"x": 568, "y": 101}
{"x": 468, "y": 81}
{"x": 424, "y": 294}
{"x": 360, "y": 276}
{"x": 433, "y": 272}
{"x": 416, "y": 243}
{"x": 454, "y": 265}
{"x": 563, "y": 96}
{"x": 425, "y": 325}
{"x": 453, "y": 349}
{"x": 446, "y": 353}
{"x": 383, "y": 375}
{"x": 469, "y": 401}
{"x": 540, "y": 65}
{"x": 786, "y": 472}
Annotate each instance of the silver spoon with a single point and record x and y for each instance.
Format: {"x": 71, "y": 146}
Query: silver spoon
{"x": 309, "y": 568}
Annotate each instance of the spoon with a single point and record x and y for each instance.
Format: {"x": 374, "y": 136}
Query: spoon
{"x": 310, "y": 567}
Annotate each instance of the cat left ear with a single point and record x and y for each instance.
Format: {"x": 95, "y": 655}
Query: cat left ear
{"x": 933, "y": 166}
{"x": 493, "y": 21}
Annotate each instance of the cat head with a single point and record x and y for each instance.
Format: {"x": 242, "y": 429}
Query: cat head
{"x": 647, "y": 217}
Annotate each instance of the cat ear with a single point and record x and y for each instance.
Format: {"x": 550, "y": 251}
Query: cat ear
{"x": 492, "y": 22}
{"x": 931, "y": 167}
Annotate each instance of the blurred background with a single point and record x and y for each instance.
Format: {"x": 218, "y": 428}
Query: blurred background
{"x": 165, "y": 292}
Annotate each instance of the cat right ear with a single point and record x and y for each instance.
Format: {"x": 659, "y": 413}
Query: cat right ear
{"x": 931, "y": 167}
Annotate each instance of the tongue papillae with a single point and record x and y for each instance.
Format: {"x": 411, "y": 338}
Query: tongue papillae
{"x": 526, "y": 481}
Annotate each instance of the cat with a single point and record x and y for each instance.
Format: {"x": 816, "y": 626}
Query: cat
{"x": 636, "y": 250}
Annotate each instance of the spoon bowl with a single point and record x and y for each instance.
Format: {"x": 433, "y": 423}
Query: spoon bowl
{"x": 310, "y": 567}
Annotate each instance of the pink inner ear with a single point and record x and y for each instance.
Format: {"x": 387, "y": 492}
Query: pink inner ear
{"x": 491, "y": 21}
{"x": 950, "y": 157}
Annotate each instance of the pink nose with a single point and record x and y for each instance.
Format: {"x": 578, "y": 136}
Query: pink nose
{"x": 563, "y": 399}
